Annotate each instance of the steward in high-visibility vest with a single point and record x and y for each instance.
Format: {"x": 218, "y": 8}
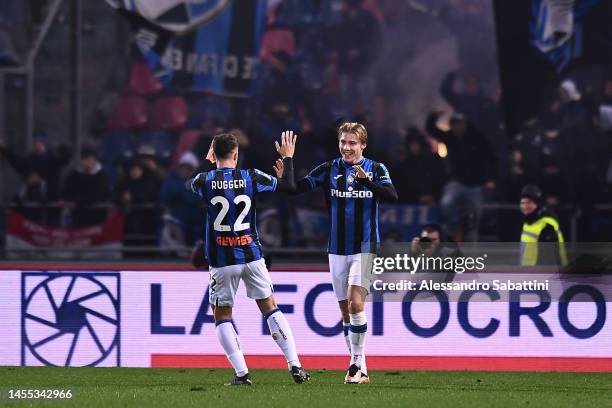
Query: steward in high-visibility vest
{"x": 540, "y": 226}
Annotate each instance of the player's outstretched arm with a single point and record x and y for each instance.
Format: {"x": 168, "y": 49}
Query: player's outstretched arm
{"x": 308, "y": 183}
{"x": 286, "y": 149}
{"x": 384, "y": 192}
{"x": 301, "y": 186}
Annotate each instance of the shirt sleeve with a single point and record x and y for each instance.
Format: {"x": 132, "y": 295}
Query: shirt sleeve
{"x": 196, "y": 184}
{"x": 263, "y": 182}
{"x": 381, "y": 175}
{"x": 318, "y": 175}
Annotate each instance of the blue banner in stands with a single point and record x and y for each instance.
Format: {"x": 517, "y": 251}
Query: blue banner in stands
{"x": 540, "y": 42}
{"x": 215, "y": 52}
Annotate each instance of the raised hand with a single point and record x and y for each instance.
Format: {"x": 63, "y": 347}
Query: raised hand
{"x": 210, "y": 156}
{"x": 287, "y": 146}
{"x": 360, "y": 172}
{"x": 279, "y": 167}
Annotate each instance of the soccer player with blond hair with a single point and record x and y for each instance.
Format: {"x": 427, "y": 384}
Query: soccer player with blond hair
{"x": 354, "y": 186}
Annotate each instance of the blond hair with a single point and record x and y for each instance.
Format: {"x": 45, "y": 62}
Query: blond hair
{"x": 355, "y": 128}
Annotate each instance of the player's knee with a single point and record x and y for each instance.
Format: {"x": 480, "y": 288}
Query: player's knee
{"x": 355, "y": 306}
{"x": 266, "y": 305}
{"x": 223, "y": 313}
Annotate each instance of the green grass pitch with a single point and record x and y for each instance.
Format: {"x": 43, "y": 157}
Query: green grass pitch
{"x": 146, "y": 387}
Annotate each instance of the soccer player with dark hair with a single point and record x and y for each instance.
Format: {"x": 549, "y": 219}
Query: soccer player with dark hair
{"x": 233, "y": 248}
{"x": 353, "y": 186}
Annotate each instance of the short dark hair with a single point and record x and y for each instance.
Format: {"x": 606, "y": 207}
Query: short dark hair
{"x": 224, "y": 144}
{"x": 432, "y": 227}
{"x": 532, "y": 192}
{"x": 88, "y": 152}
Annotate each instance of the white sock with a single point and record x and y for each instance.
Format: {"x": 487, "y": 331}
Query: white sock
{"x": 357, "y": 332}
{"x": 345, "y": 329}
{"x": 229, "y": 341}
{"x": 283, "y": 336}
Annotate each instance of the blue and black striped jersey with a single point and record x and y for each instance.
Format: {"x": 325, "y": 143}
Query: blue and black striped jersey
{"x": 353, "y": 209}
{"x": 231, "y": 228}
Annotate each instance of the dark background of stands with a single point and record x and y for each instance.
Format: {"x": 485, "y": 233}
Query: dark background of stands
{"x": 404, "y": 69}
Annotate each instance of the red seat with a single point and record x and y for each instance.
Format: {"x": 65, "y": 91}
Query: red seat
{"x": 187, "y": 140}
{"x": 277, "y": 40}
{"x": 374, "y": 8}
{"x": 132, "y": 112}
{"x": 143, "y": 81}
{"x": 170, "y": 112}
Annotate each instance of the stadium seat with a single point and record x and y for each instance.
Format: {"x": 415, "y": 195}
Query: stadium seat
{"x": 162, "y": 141}
{"x": 143, "y": 81}
{"x": 132, "y": 112}
{"x": 169, "y": 113}
{"x": 374, "y": 8}
{"x": 277, "y": 40}
{"x": 116, "y": 147}
{"x": 186, "y": 142}
{"x": 204, "y": 107}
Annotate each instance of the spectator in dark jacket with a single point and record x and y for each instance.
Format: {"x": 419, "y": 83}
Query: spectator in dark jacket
{"x": 181, "y": 203}
{"x": 557, "y": 179}
{"x": 31, "y": 196}
{"x": 479, "y": 109}
{"x": 147, "y": 157}
{"x": 573, "y": 113}
{"x": 138, "y": 186}
{"x": 85, "y": 188}
{"x": 422, "y": 172}
{"x": 42, "y": 161}
{"x": 472, "y": 163}
{"x": 139, "y": 189}
{"x": 519, "y": 173}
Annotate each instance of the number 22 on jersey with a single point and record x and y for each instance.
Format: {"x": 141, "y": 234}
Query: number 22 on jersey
{"x": 239, "y": 225}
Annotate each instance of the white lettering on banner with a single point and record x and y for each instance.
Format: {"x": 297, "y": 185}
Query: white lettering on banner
{"x": 173, "y": 59}
{"x": 167, "y": 312}
{"x": 248, "y": 69}
{"x": 145, "y": 39}
{"x": 195, "y": 64}
{"x": 229, "y": 66}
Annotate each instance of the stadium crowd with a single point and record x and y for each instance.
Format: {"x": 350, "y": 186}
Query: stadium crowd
{"x": 323, "y": 61}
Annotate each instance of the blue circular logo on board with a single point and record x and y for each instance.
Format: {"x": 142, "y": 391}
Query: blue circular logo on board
{"x": 71, "y": 319}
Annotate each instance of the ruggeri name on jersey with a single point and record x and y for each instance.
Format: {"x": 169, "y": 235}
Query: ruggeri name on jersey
{"x": 228, "y": 184}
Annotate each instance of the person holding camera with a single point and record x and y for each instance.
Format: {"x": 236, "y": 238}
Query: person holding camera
{"x": 428, "y": 243}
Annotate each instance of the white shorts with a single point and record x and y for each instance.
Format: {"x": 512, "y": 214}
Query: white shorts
{"x": 224, "y": 282}
{"x": 348, "y": 270}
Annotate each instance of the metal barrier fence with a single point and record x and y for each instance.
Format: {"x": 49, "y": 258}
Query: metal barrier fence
{"x": 498, "y": 222}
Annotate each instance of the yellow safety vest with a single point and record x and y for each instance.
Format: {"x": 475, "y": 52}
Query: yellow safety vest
{"x": 530, "y": 237}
